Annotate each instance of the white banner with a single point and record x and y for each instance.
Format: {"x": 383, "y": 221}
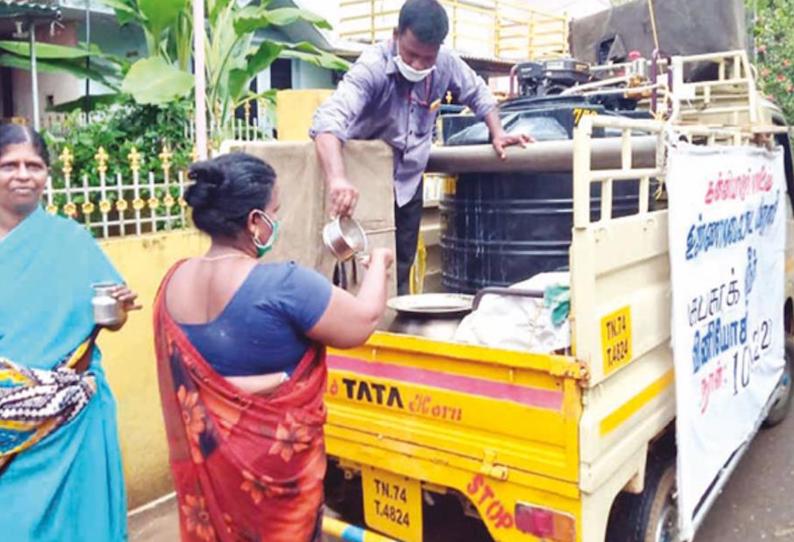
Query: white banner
{"x": 727, "y": 241}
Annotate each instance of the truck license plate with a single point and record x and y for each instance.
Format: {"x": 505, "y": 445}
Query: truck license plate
{"x": 392, "y": 504}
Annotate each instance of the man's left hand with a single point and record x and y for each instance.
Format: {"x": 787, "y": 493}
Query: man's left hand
{"x": 501, "y": 141}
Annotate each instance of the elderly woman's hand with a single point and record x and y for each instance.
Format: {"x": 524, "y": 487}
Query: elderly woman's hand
{"x": 126, "y": 297}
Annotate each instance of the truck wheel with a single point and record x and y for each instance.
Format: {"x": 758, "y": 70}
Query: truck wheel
{"x": 651, "y": 516}
{"x": 785, "y": 391}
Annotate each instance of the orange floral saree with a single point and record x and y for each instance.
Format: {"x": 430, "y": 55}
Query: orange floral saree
{"x": 246, "y": 467}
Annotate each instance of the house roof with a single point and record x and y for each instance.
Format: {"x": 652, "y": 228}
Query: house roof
{"x": 39, "y": 10}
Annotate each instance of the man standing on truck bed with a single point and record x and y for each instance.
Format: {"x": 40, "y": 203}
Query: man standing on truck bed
{"x": 393, "y": 93}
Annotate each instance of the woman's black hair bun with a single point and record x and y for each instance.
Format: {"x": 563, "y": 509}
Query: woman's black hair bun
{"x": 207, "y": 179}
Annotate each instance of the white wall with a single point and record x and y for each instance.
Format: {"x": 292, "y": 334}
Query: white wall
{"x": 63, "y": 88}
{"x": 305, "y": 75}
{"x": 60, "y": 86}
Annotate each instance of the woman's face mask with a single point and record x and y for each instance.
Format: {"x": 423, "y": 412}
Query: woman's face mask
{"x": 264, "y": 248}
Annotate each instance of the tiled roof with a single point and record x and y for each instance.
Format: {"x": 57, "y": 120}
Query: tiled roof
{"x": 26, "y": 9}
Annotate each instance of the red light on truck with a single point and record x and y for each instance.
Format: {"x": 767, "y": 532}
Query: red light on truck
{"x": 544, "y": 523}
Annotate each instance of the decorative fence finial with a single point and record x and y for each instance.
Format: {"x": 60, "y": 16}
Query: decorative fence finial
{"x": 135, "y": 159}
{"x": 101, "y": 158}
{"x": 165, "y": 160}
{"x": 66, "y": 159}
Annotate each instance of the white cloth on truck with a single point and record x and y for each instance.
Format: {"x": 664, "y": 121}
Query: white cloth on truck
{"x": 517, "y": 323}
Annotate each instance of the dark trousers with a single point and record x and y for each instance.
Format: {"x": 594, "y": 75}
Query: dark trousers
{"x": 407, "y": 220}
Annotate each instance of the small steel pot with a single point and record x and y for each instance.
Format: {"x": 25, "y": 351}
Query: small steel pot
{"x": 344, "y": 237}
{"x": 107, "y": 310}
{"x": 435, "y": 316}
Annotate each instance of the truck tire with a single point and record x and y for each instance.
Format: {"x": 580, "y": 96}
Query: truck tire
{"x": 651, "y": 516}
{"x": 782, "y": 405}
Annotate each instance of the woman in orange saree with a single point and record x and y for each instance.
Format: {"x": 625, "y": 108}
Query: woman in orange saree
{"x": 241, "y": 363}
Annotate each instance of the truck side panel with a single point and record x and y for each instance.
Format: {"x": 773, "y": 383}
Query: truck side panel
{"x": 634, "y": 399}
{"x": 497, "y": 427}
{"x": 440, "y": 395}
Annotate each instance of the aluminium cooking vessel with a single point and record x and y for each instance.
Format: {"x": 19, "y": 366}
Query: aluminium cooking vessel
{"x": 435, "y": 316}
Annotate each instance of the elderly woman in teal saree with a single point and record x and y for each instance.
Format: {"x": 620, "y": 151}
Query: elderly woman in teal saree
{"x": 60, "y": 465}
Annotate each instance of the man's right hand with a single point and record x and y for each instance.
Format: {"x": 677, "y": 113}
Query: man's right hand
{"x": 343, "y": 197}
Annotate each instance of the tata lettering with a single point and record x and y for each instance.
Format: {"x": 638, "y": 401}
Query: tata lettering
{"x": 380, "y": 394}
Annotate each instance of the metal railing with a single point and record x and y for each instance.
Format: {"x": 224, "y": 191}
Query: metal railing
{"x": 500, "y": 29}
{"x": 585, "y": 174}
{"x": 115, "y": 206}
{"x": 729, "y": 98}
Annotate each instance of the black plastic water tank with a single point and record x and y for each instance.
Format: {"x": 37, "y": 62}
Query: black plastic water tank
{"x": 499, "y": 229}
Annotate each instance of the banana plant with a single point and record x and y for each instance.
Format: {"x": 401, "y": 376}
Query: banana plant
{"x": 233, "y": 59}
{"x": 166, "y": 25}
{"x": 163, "y": 76}
{"x": 50, "y": 58}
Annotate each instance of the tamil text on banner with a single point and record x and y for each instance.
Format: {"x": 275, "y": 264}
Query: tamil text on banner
{"x": 727, "y": 241}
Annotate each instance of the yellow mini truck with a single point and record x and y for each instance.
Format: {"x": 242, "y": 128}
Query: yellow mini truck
{"x": 433, "y": 440}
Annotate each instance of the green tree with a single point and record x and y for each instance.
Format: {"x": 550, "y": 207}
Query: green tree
{"x": 774, "y": 46}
